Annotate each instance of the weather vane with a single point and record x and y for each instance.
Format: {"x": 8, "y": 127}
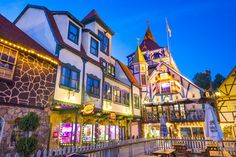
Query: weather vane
{"x": 138, "y": 41}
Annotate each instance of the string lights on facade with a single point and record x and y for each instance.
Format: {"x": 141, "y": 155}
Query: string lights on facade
{"x": 28, "y": 50}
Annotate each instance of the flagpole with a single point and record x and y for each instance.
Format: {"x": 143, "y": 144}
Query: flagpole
{"x": 167, "y": 36}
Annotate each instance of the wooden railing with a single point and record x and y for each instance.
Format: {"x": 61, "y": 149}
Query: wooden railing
{"x": 134, "y": 147}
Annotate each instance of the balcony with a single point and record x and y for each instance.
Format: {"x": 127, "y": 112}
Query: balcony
{"x": 177, "y": 116}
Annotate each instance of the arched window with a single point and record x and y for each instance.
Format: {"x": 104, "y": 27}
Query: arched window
{"x": 2, "y": 122}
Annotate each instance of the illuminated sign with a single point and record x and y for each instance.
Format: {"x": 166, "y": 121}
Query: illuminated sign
{"x": 88, "y": 109}
{"x": 112, "y": 115}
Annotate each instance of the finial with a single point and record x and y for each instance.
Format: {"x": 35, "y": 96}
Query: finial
{"x": 148, "y": 22}
{"x": 138, "y": 39}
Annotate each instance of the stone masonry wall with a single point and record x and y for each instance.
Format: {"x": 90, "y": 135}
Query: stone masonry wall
{"x": 33, "y": 82}
{"x": 30, "y": 90}
{"x": 10, "y": 114}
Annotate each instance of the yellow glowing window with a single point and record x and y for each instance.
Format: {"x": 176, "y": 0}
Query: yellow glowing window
{"x": 7, "y": 61}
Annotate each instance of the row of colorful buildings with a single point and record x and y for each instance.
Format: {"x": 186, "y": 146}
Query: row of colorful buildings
{"x": 62, "y": 68}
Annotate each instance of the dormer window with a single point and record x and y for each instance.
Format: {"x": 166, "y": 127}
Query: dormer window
{"x": 94, "y": 47}
{"x": 73, "y": 33}
{"x": 104, "y": 43}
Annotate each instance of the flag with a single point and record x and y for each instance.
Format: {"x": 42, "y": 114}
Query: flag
{"x": 168, "y": 28}
{"x": 213, "y": 129}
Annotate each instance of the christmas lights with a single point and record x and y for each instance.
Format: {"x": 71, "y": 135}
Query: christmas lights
{"x": 28, "y": 51}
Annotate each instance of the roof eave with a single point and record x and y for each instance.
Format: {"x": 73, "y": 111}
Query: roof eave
{"x": 99, "y": 21}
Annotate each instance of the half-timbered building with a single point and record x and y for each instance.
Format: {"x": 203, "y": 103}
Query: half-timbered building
{"x": 226, "y": 102}
{"x": 155, "y": 70}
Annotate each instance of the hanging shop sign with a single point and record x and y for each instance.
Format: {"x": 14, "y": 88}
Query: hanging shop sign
{"x": 112, "y": 115}
{"x": 88, "y": 109}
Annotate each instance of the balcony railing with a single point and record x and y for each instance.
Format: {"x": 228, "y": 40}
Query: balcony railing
{"x": 187, "y": 116}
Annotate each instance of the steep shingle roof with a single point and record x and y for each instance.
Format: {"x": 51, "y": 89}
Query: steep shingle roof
{"x": 149, "y": 42}
{"x": 129, "y": 74}
{"x": 93, "y": 16}
{"x": 138, "y": 56}
{"x": 11, "y": 32}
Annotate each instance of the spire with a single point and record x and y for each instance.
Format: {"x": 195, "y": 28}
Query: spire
{"x": 138, "y": 56}
{"x": 149, "y": 42}
{"x": 148, "y": 34}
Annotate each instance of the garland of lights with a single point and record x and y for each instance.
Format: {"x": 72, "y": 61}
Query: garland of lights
{"x": 28, "y": 50}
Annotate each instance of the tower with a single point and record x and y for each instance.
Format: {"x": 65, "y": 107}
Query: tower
{"x": 140, "y": 71}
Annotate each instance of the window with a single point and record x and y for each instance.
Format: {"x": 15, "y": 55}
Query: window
{"x": 70, "y": 77}
{"x": 165, "y": 87}
{"x": 111, "y": 70}
{"x": 125, "y": 98}
{"x": 7, "y": 62}
{"x": 117, "y": 95}
{"x": 93, "y": 86}
{"x": 104, "y": 65}
{"x": 143, "y": 78}
{"x": 94, "y": 47}
{"x": 73, "y": 33}
{"x": 136, "y": 101}
{"x": 104, "y": 43}
{"x": 2, "y": 122}
{"x": 198, "y": 132}
{"x": 107, "y": 91}
{"x": 185, "y": 132}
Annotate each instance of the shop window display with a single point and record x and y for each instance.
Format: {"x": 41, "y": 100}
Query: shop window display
{"x": 88, "y": 133}
{"x": 102, "y": 133}
{"x": 67, "y": 133}
{"x": 114, "y": 132}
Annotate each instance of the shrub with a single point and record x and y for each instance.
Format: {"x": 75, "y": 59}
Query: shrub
{"x": 26, "y": 146}
{"x": 30, "y": 122}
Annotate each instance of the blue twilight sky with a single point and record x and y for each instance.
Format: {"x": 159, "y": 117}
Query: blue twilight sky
{"x": 203, "y": 31}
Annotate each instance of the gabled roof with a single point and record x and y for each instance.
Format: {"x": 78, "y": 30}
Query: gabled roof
{"x": 11, "y": 32}
{"x": 129, "y": 74}
{"x": 149, "y": 42}
{"x": 172, "y": 69}
{"x": 138, "y": 56}
{"x": 228, "y": 77}
{"x": 93, "y": 16}
{"x": 57, "y": 34}
{"x": 67, "y": 13}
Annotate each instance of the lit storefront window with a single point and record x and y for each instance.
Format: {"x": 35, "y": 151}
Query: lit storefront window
{"x": 102, "y": 133}
{"x": 88, "y": 133}
{"x": 67, "y": 133}
{"x": 114, "y": 132}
